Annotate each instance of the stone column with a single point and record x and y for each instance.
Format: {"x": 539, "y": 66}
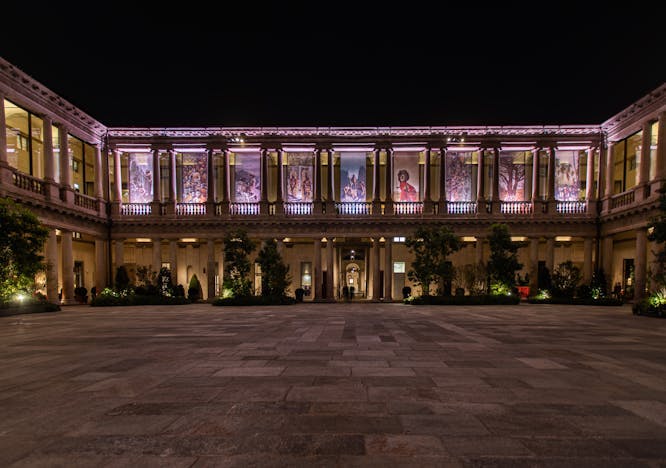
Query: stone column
{"x": 100, "y": 265}
{"x": 52, "y": 190}
{"x": 534, "y": 264}
{"x": 211, "y": 184}
{"x": 480, "y": 189}
{"x": 120, "y": 255}
{"x": 376, "y": 201}
{"x": 279, "y": 201}
{"x": 330, "y": 199}
{"x": 388, "y": 270}
{"x": 376, "y": 289}
{"x": 330, "y": 292}
{"x": 607, "y": 259}
{"x": 609, "y": 172}
{"x": 316, "y": 276}
{"x": 551, "y": 180}
{"x": 443, "y": 209}
{"x": 644, "y": 163}
{"x": 173, "y": 261}
{"x": 587, "y": 260}
{"x": 317, "y": 209}
{"x": 478, "y": 251}
{"x": 427, "y": 199}
{"x": 99, "y": 186}
{"x": 225, "y": 195}
{"x": 388, "y": 205}
{"x": 589, "y": 184}
{"x": 550, "y": 254}
{"x": 495, "y": 196}
{"x": 157, "y": 196}
{"x": 5, "y": 171}
{"x": 65, "y": 166}
{"x": 117, "y": 178}
{"x": 157, "y": 254}
{"x": 67, "y": 268}
{"x": 263, "y": 206}
{"x": 640, "y": 264}
{"x": 210, "y": 270}
{"x": 173, "y": 192}
{"x": 660, "y": 172}
{"x": 535, "y": 181}
{"x": 52, "y": 267}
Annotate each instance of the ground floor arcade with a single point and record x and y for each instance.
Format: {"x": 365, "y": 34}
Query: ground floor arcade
{"x": 376, "y": 267}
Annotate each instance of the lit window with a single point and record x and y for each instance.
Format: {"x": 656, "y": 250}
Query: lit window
{"x": 398, "y": 239}
{"x": 398, "y": 267}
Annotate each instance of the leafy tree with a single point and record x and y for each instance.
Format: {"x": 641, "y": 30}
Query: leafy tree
{"x": 164, "y": 283}
{"x": 22, "y": 239}
{"x": 565, "y": 279}
{"x": 275, "y": 278}
{"x": 122, "y": 278}
{"x": 657, "y": 234}
{"x": 598, "y": 284}
{"x": 503, "y": 262}
{"x": 237, "y": 248}
{"x": 431, "y": 246}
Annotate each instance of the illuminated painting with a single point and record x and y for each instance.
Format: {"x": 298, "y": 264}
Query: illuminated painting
{"x": 512, "y": 177}
{"x": 195, "y": 178}
{"x": 567, "y": 185}
{"x": 247, "y": 178}
{"x": 459, "y": 177}
{"x": 140, "y": 178}
{"x": 352, "y": 177}
{"x": 299, "y": 178}
{"x": 406, "y": 177}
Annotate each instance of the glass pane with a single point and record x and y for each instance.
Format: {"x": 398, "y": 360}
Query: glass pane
{"x": 653, "y": 150}
{"x": 352, "y": 177}
{"x": 56, "y": 152}
{"x": 512, "y": 176}
{"x": 37, "y": 133}
{"x": 76, "y": 158}
{"x": 618, "y": 167}
{"x": 634, "y": 143}
{"x": 246, "y": 177}
{"x": 89, "y": 170}
{"x": 18, "y": 146}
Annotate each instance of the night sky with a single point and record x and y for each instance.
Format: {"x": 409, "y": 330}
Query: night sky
{"x": 328, "y": 63}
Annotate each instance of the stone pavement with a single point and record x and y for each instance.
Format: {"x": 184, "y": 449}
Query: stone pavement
{"x": 333, "y": 385}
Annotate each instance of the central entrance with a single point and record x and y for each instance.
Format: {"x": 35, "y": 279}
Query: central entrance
{"x": 353, "y": 271}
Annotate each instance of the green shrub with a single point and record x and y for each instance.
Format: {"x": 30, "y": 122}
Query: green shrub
{"x": 108, "y": 300}
{"x": 602, "y": 301}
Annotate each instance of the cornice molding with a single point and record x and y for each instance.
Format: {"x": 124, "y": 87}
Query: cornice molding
{"x": 14, "y": 80}
{"x": 650, "y": 104}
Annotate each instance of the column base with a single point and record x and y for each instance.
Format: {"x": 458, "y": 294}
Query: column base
{"x": 317, "y": 207}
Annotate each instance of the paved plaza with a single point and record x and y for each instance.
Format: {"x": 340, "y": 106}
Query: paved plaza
{"x": 333, "y": 385}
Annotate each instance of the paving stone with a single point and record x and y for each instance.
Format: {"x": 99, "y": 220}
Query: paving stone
{"x": 362, "y": 385}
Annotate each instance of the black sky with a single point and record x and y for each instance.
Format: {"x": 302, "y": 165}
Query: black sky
{"x": 331, "y": 63}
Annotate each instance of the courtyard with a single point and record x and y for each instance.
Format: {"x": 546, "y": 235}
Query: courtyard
{"x": 355, "y": 384}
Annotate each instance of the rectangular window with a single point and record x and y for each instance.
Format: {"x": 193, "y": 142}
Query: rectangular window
{"x": 306, "y": 277}
{"x": 398, "y": 267}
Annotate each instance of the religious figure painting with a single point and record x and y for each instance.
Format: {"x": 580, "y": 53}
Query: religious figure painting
{"x": 567, "y": 184}
{"x": 140, "y": 178}
{"x": 352, "y": 177}
{"x": 299, "y": 178}
{"x": 406, "y": 177}
{"x": 195, "y": 178}
{"x": 247, "y": 177}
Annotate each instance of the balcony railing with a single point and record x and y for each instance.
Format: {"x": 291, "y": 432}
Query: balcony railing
{"x": 244, "y": 209}
{"x": 190, "y": 209}
{"x": 461, "y": 207}
{"x": 353, "y": 208}
{"x": 516, "y": 207}
{"x": 571, "y": 207}
{"x": 408, "y": 208}
{"x": 298, "y": 209}
{"x": 85, "y": 201}
{"x": 623, "y": 199}
{"x": 27, "y": 182}
{"x": 136, "y": 209}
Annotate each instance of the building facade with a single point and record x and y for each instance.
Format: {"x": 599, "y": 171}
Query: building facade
{"x": 339, "y": 201}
